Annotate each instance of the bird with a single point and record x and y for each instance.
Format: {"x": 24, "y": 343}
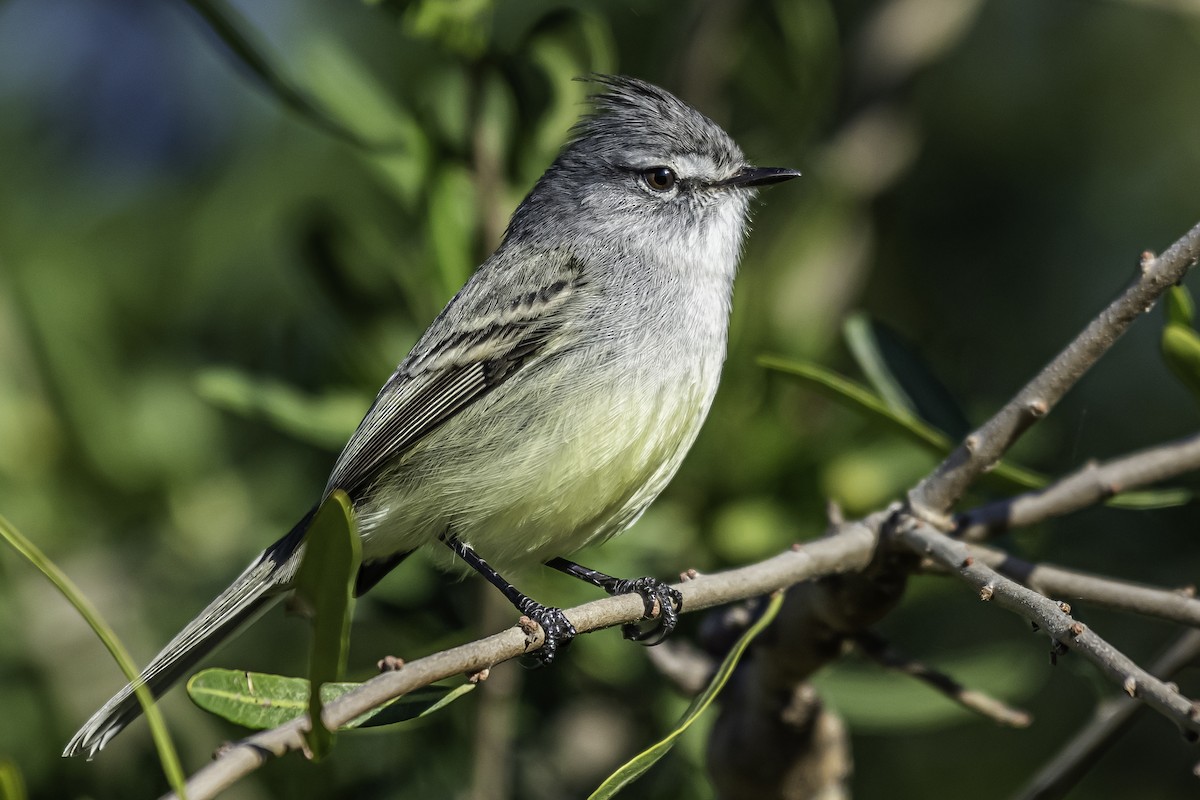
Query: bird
{"x": 555, "y": 395}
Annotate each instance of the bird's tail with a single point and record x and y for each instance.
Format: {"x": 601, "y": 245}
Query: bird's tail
{"x": 255, "y": 590}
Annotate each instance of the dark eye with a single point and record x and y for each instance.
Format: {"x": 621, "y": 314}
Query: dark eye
{"x": 660, "y": 179}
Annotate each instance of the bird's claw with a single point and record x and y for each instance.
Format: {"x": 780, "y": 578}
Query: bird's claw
{"x": 660, "y": 600}
{"x": 557, "y": 630}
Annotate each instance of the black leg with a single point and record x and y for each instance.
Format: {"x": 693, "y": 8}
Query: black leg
{"x": 557, "y": 628}
{"x": 654, "y": 593}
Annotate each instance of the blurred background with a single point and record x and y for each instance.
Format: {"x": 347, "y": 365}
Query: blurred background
{"x": 222, "y": 225}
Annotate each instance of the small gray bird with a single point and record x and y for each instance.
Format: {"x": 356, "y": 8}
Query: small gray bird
{"x": 557, "y": 393}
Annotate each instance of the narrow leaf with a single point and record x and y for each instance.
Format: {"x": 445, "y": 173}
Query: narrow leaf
{"x": 167, "y": 756}
{"x": 235, "y": 31}
{"x": 325, "y": 588}
{"x": 260, "y": 701}
{"x": 856, "y": 395}
{"x": 901, "y": 376}
{"x": 637, "y": 766}
{"x": 326, "y": 420}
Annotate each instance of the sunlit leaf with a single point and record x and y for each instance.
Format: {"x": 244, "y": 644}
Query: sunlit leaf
{"x": 260, "y": 701}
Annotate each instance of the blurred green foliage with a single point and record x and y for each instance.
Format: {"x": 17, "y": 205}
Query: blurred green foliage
{"x": 200, "y": 287}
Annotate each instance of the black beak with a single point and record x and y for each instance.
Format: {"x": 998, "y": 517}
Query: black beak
{"x": 759, "y": 176}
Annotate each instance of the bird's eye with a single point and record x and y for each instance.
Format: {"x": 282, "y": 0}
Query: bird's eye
{"x": 660, "y": 179}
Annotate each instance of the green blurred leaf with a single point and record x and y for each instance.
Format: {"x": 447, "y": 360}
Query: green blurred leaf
{"x": 453, "y": 223}
{"x": 342, "y": 84}
{"x": 158, "y": 729}
{"x": 901, "y": 376}
{"x": 326, "y": 420}
{"x": 460, "y": 25}
{"x": 1180, "y": 308}
{"x": 1181, "y": 352}
{"x": 842, "y": 389}
{"x": 637, "y": 766}
{"x": 325, "y": 588}
{"x": 1180, "y": 344}
{"x": 12, "y": 785}
{"x": 234, "y": 30}
{"x": 260, "y": 701}
{"x": 848, "y": 392}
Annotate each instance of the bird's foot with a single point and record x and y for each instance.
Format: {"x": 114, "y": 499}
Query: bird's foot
{"x": 557, "y": 630}
{"x": 663, "y": 605}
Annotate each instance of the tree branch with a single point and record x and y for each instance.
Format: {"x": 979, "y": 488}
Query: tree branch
{"x": 935, "y": 495}
{"x": 885, "y": 654}
{"x": 1085, "y": 487}
{"x": 848, "y": 549}
{"x": 1055, "y": 620}
{"x": 1174, "y": 605}
{"x": 1110, "y": 719}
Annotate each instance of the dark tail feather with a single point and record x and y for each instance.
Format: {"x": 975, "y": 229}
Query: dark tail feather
{"x": 255, "y": 590}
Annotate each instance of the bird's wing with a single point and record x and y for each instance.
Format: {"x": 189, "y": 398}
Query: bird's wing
{"x": 481, "y": 339}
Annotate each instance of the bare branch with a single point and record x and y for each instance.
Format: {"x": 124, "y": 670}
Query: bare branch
{"x": 684, "y": 664}
{"x": 849, "y": 549}
{"x": 1175, "y": 605}
{"x": 884, "y": 653}
{"x": 1085, "y": 487}
{"x": 981, "y": 450}
{"x": 1055, "y": 620}
{"x": 1110, "y": 719}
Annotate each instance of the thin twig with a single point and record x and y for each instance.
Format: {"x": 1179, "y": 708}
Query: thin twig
{"x": 935, "y": 495}
{"x": 1110, "y": 719}
{"x": 884, "y": 653}
{"x": 1054, "y": 619}
{"x": 1083, "y": 488}
{"x": 1175, "y": 605}
{"x": 849, "y": 549}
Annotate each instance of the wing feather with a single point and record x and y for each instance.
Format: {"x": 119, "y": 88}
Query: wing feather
{"x": 453, "y": 366}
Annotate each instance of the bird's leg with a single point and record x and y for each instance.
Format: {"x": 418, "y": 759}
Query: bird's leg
{"x": 557, "y": 629}
{"x": 654, "y": 593}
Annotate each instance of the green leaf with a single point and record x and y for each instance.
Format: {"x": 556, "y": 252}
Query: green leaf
{"x": 325, "y": 588}
{"x": 235, "y": 31}
{"x": 637, "y": 766}
{"x": 326, "y": 420}
{"x": 460, "y": 25}
{"x": 856, "y": 395}
{"x": 841, "y": 389}
{"x": 1181, "y": 352}
{"x": 158, "y": 729}
{"x": 12, "y": 785}
{"x": 260, "y": 701}
{"x": 1180, "y": 343}
{"x": 1180, "y": 308}
{"x": 901, "y": 376}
